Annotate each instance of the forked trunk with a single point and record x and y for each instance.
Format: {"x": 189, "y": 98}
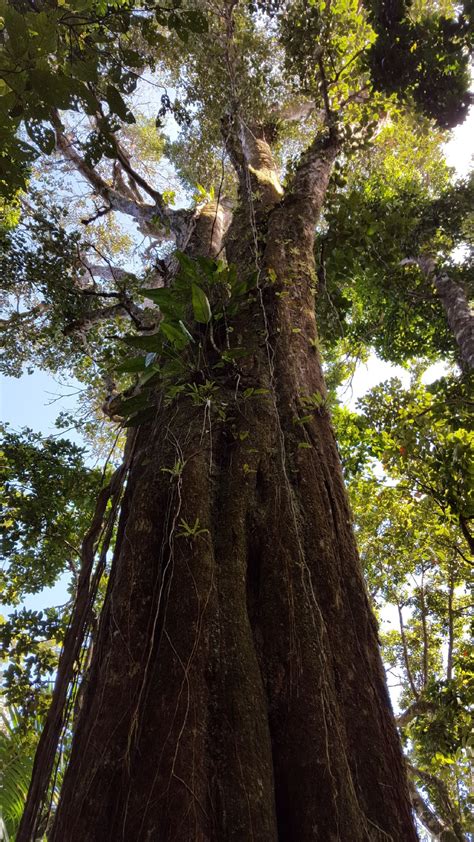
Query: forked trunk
{"x": 237, "y": 690}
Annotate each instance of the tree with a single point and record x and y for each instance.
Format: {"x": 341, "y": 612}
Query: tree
{"x": 235, "y": 688}
{"x": 416, "y": 558}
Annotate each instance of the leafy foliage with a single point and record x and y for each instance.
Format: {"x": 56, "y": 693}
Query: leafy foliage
{"x": 48, "y": 496}
{"x": 374, "y": 290}
{"x": 73, "y": 56}
{"x": 417, "y": 563}
{"x": 426, "y": 58}
{"x": 17, "y": 751}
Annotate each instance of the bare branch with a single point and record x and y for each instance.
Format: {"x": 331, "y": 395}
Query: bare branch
{"x": 153, "y": 215}
{"x": 449, "y": 815}
{"x": 26, "y": 315}
{"x": 424, "y": 626}
{"x": 414, "y": 710}
{"x": 105, "y": 273}
{"x": 126, "y": 308}
{"x": 405, "y": 654}
{"x": 137, "y": 178}
{"x": 424, "y": 813}
{"x": 449, "y": 664}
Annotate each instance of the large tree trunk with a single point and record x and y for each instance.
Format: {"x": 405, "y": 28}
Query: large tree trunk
{"x": 236, "y": 690}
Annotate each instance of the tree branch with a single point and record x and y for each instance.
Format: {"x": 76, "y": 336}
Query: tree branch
{"x": 425, "y": 632}
{"x": 449, "y": 663}
{"x": 463, "y": 522}
{"x": 413, "y": 711}
{"x": 459, "y": 314}
{"x": 105, "y": 273}
{"x": 405, "y": 654}
{"x": 425, "y": 814}
{"x": 126, "y": 307}
{"x": 446, "y": 807}
{"x": 156, "y": 214}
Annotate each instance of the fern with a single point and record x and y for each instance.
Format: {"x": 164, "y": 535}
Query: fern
{"x": 17, "y": 752}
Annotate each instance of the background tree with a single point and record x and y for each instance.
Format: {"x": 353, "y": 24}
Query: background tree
{"x": 417, "y": 563}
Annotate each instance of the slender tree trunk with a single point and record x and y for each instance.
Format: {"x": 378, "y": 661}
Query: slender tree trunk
{"x": 74, "y": 638}
{"x": 236, "y": 690}
{"x": 459, "y": 315}
{"x": 406, "y": 658}
{"x": 424, "y": 626}
{"x": 449, "y": 660}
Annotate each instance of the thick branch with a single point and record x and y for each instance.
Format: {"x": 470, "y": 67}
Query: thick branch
{"x": 249, "y": 150}
{"x": 106, "y": 273}
{"x": 459, "y": 315}
{"x": 89, "y": 319}
{"x": 125, "y": 308}
{"x": 445, "y": 805}
{"x": 138, "y": 179}
{"x": 151, "y": 214}
{"x": 296, "y": 110}
{"x": 463, "y": 522}
{"x": 426, "y": 816}
{"x": 307, "y": 191}
{"x": 414, "y": 710}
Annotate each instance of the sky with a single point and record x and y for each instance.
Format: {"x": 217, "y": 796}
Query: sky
{"x": 35, "y": 400}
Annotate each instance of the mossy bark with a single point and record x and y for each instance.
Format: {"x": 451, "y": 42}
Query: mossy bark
{"x": 236, "y": 690}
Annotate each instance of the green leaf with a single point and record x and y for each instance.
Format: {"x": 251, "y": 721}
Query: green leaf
{"x": 135, "y": 364}
{"x": 145, "y": 343}
{"x": 195, "y": 21}
{"x": 150, "y": 374}
{"x": 166, "y": 300}
{"x": 40, "y": 134}
{"x": 129, "y": 406}
{"x": 174, "y": 334}
{"x": 186, "y": 331}
{"x": 186, "y": 263}
{"x": 201, "y": 306}
{"x": 140, "y": 417}
{"x": 118, "y": 105}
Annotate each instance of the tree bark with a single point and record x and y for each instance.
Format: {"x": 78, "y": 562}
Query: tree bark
{"x": 68, "y": 660}
{"x": 459, "y": 315}
{"x": 425, "y": 814}
{"x": 448, "y": 817}
{"x": 236, "y": 689}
